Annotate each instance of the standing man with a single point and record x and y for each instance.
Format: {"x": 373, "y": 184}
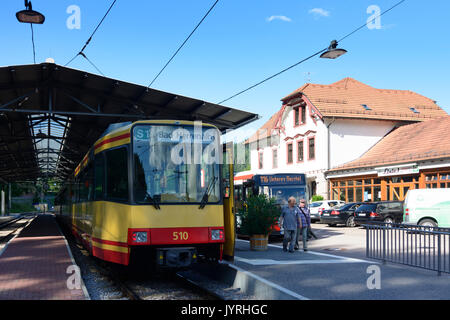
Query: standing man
{"x": 289, "y": 219}
{"x": 305, "y": 217}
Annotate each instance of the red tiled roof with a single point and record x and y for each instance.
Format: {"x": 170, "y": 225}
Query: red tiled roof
{"x": 346, "y": 97}
{"x": 266, "y": 129}
{"x": 415, "y": 142}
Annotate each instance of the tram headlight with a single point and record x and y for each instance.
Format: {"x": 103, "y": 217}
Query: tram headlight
{"x": 139, "y": 237}
{"x": 217, "y": 234}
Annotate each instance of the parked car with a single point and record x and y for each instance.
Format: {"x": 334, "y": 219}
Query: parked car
{"x": 427, "y": 207}
{"x": 383, "y": 211}
{"x": 317, "y": 207}
{"x": 340, "y": 214}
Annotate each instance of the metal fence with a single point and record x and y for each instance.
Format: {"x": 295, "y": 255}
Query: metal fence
{"x": 417, "y": 246}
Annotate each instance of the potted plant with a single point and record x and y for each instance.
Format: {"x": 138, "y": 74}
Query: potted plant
{"x": 257, "y": 218}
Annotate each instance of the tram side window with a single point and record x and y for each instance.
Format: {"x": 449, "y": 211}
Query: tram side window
{"x": 99, "y": 176}
{"x": 86, "y": 184}
{"x": 75, "y": 191}
{"x": 117, "y": 174}
{"x": 89, "y": 182}
{"x": 82, "y": 187}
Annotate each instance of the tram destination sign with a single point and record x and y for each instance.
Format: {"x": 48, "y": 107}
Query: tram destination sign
{"x": 174, "y": 134}
{"x": 280, "y": 179}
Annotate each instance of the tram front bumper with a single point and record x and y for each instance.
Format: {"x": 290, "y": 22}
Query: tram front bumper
{"x": 176, "y": 257}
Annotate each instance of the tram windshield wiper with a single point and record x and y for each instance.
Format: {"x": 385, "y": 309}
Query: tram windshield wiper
{"x": 153, "y": 201}
{"x": 207, "y": 192}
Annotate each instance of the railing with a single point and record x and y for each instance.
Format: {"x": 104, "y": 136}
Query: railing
{"x": 417, "y": 246}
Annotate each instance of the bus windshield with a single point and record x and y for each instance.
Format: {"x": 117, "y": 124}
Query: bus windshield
{"x": 176, "y": 163}
{"x": 282, "y": 193}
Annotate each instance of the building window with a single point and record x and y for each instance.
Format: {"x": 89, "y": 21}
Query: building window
{"x": 313, "y": 188}
{"x": 356, "y": 190}
{"x": 311, "y": 148}
{"x": 414, "y": 110}
{"x": 260, "y": 160}
{"x": 299, "y": 116}
{"x": 300, "y": 150}
{"x": 275, "y": 158}
{"x": 289, "y": 153}
{"x": 366, "y": 107}
{"x": 296, "y": 117}
{"x": 437, "y": 180}
{"x": 303, "y": 115}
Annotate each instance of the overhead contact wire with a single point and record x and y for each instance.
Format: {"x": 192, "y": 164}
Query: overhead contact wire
{"x": 315, "y": 54}
{"x": 184, "y": 42}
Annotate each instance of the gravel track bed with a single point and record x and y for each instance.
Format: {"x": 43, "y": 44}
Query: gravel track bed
{"x": 147, "y": 285}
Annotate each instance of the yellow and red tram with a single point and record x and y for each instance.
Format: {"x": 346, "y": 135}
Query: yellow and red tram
{"x": 155, "y": 187}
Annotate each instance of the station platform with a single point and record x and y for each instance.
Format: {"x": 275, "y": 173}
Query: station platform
{"x": 6, "y": 219}
{"x": 316, "y": 275}
{"x": 34, "y": 265}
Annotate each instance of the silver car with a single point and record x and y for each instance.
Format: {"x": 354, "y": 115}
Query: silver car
{"x": 317, "y": 207}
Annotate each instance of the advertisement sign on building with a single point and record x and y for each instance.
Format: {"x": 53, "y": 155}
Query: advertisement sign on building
{"x": 398, "y": 170}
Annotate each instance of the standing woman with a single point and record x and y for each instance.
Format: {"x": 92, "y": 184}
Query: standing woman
{"x": 305, "y": 216}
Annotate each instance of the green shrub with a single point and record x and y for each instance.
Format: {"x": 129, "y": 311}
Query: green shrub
{"x": 316, "y": 198}
{"x": 258, "y": 215}
{"x": 22, "y": 207}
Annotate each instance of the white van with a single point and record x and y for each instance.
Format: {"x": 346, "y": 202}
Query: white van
{"x": 427, "y": 207}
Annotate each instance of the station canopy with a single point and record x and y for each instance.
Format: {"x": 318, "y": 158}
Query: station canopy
{"x": 51, "y": 115}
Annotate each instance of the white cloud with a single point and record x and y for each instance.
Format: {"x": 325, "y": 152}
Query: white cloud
{"x": 319, "y": 12}
{"x": 388, "y": 26}
{"x": 282, "y": 18}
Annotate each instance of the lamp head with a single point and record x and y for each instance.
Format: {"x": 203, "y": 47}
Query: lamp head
{"x": 29, "y": 15}
{"x": 333, "y": 52}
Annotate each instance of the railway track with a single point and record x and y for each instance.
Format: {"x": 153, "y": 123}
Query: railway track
{"x": 152, "y": 284}
{"x": 161, "y": 286}
{"x": 136, "y": 283}
{"x": 9, "y": 227}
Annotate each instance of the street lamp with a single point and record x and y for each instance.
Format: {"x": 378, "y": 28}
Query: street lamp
{"x": 333, "y": 52}
{"x": 41, "y": 135}
{"x": 29, "y": 15}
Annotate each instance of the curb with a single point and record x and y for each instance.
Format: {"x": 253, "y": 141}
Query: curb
{"x": 83, "y": 286}
{"x": 249, "y": 283}
{"x": 9, "y": 241}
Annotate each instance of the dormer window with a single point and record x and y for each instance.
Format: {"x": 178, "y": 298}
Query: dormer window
{"x": 366, "y": 107}
{"x": 414, "y": 110}
{"x": 299, "y": 116}
{"x": 303, "y": 114}
{"x": 296, "y": 116}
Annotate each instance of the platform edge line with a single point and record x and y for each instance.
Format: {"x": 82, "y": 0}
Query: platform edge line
{"x": 267, "y": 282}
{"x": 83, "y": 286}
{"x": 10, "y": 240}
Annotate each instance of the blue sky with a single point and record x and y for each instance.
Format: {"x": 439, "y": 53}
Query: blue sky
{"x": 242, "y": 42}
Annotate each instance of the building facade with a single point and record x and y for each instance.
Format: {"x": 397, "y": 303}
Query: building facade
{"x": 415, "y": 156}
{"x": 320, "y": 127}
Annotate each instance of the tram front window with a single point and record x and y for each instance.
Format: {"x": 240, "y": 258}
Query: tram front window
{"x": 176, "y": 164}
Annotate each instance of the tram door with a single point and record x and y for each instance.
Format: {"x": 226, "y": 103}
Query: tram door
{"x": 228, "y": 202}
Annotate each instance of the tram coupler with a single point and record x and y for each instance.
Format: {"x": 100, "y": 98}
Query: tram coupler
{"x": 176, "y": 257}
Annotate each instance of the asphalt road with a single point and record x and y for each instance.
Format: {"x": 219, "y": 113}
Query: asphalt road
{"x": 339, "y": 240}
{"x": 342, "y": 280}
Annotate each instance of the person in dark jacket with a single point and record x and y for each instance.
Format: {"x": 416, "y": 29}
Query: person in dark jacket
{"x": 289, "y": 220}
{"x": 305, "y": 216}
